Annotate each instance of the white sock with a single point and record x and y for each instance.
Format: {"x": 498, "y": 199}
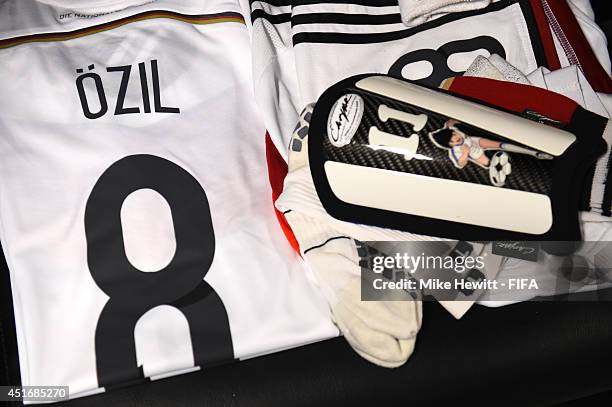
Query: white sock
{"x": 416, "y": 12}
{"x": 383, "y": 332}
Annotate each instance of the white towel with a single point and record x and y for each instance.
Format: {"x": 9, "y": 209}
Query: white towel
{"x": 496, "y": 67}
{"x": 416, "y": 12}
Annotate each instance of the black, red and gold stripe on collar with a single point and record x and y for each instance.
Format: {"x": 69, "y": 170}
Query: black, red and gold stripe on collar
{"x": 200, "y": 19}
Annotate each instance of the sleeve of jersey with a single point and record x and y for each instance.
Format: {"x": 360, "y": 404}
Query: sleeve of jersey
{"x": 577, "y": 40}
{"x": 275, "y": 81}
{"x": 275, "y": 88}
{"x": 549, "y": 107}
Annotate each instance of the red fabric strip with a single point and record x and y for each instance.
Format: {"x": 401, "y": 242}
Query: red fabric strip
{"x": 277, "y": 171}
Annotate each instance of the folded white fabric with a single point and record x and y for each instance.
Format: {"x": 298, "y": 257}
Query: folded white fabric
{"x": 570, "y": 82}
{"x": 416, "y": 12}
{"x": 482, "y": 68}
{"x": 495, "y": 67}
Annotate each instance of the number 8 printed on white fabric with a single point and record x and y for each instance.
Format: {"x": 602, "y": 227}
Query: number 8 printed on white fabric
{"x": 133, "y": 292}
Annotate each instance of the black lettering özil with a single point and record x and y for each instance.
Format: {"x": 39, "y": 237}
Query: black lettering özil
{"x": 120, "y": 109}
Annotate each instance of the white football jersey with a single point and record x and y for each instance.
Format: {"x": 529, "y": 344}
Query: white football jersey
{"x": 300, "y": 48}
{"x": 135, "y": 210}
